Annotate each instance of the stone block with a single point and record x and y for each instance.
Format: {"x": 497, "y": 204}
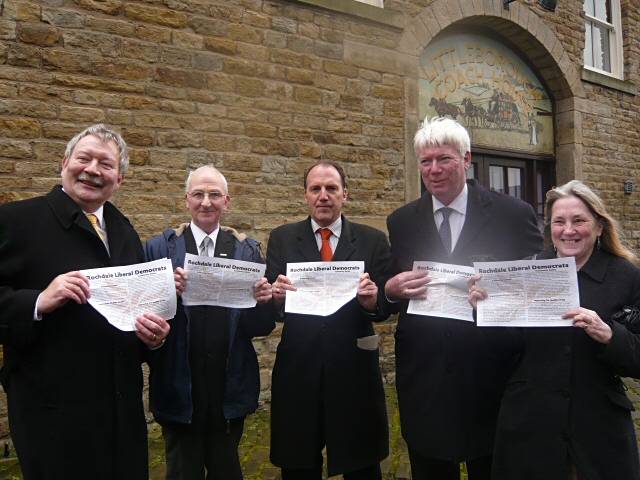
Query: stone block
{"x": 152, "y": 33}
{"x": 38, "y": 34}
{"x": 23, "y": 56}
{"x": 67, "y": 61}
{"x": 179, "y": 139}
{"x": 260, "y": 130}
{"x": 14, "y": 127}
{"x": 156, "y": 120}
{"x": 387, "y": 92}
{"x": 187, "y": 40}
{"x": 206, "y": 61}
{"x": 21, "y": 11}
{"x": 328, "y": 50}
{"x": 109, "y": 7}
{"x": 251, "y": 87}
{"x": 208, "y": 26}
{"x": 81, "y": 114}
{"x": 123, "y": 69}
{"x": 7, "y": 30}
{"x": 15, "y": 149}
{"x": 257, "y": 19}
{"x": 181, "y": 78}
{"x": 379, "y": 59}
{"x": 296, "y": 75}
{"x": 34, "y": 109}
{"x": 284, "y": 24}
{"x": 220, "y": 45}
{"x": 110, "y": 25}
{"x": 159, "y": 16}
{"x": 308, "y": 95}
{"x": 108, "y": 45}
{"x": 244, "y": 33}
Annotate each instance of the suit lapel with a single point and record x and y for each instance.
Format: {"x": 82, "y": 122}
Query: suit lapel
{"x": 478, "y": 205}
{"x": 346, "y": 244}
{"x": 306, "y": 242}
{"x": 115, "y": 238}
{"x": 429, "y": 243}
{"x": 225, "y": 245}
{"x": 69, "y": 214}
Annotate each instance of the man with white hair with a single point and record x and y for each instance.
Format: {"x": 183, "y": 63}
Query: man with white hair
{"x": 450, "y": 374}
{"x": 73, "y": 381}
{"x": 205, "y": 379}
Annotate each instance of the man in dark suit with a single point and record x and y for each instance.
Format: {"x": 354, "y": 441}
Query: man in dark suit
{"x": 450, "y": 374}
{"x": 73, "y": 381}
{"x": 205, "y": 380}
{"x": 326, "y": 385}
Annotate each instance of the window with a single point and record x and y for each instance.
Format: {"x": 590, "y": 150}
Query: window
{"x": 603, "y": 36}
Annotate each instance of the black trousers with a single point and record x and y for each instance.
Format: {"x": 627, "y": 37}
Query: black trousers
{"x": 369, "y": 473}
{"x": 192, "y": 453}
{"x": 425, "y": 468}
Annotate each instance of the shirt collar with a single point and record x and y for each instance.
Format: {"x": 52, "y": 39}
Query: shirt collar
{"x": 99, "y": 213}
{"x": 199, "y": 234}
{"x": 335, "y": 227}
{"x": 459, "y": 204}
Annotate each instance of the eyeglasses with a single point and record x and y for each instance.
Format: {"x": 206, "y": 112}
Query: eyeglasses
{"x": 199, "y": 195}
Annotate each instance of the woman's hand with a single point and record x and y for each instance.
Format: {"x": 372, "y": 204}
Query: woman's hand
{"x": 591, "y": 323}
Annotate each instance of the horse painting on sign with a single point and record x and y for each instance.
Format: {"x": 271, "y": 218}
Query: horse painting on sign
{"x": 487, "y": 87}
{"x": 443, "y": 108}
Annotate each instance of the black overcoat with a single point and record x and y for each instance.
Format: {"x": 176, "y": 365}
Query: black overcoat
{"x": 321, "y": 379}
{"x": 449, "y": 373}
{"x": 73, "y": 382}
{"x": 565, "y": 399}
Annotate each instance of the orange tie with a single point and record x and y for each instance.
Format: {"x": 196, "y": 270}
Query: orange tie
{"x": 325, "y": 250}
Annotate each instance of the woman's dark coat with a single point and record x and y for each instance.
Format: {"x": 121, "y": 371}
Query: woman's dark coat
{"x": 566, "y": 403}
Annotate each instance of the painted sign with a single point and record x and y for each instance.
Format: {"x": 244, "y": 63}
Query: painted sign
{"x": 489, "y": 89}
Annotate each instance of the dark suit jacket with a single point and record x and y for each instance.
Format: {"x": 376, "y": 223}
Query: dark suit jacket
{"x": 73, "y": 382}
{"x": 449, "y": 373}
{"x": 565, "y": 398}
{"x": 323, "y": 385}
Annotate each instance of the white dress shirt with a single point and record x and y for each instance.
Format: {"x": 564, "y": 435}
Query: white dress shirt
{"x": 336, "y": 230}
{"x": 199, "y": 234}
{"x": 457, "y": 216}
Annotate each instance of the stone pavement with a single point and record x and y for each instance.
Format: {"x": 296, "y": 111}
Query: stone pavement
{"x": 254, "y": 449}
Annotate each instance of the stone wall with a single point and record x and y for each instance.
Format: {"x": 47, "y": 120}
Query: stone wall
{"x": 262, "y": 88}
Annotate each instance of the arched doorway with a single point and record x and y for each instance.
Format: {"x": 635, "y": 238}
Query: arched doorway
{"x": 477, "y": 78}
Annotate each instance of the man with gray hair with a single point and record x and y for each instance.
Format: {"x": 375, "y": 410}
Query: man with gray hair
{"x": 73, "y": 381}
{"x": 205, "y": 379}
{"x": 450, "y": 374}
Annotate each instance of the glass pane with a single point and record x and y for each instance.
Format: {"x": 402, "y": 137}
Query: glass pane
{"x": 605, "y": 48}
{"x": 496, "y": 178}
{"x": 588, "y": 7}
{"x": 601, "y": 48}
{"x": 471, "y": 172}
{"x": 540, "y": 195}
{"x": 603, "y": 10}
{"x": 588, "y": 45}
{"x": 514, "y": 179}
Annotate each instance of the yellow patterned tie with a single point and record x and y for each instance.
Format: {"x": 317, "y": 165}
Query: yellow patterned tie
{"x": 96, "y": 226}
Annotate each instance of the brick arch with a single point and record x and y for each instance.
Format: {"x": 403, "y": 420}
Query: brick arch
{"x": 535, "y": 40}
